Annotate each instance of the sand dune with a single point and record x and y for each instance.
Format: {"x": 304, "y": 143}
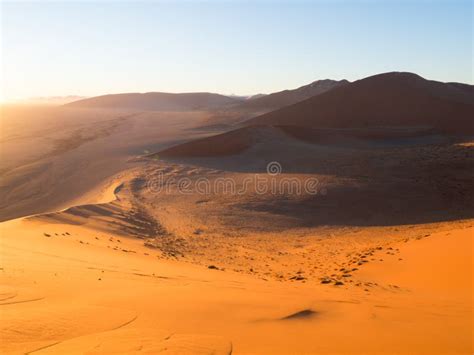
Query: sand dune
{"x": 395, "y": 109}
{"x": 283, "y": 98}
{"x": 384, "y": 100}
{"x": 227, "y": 117}
{"x": 228, "y": 143}
{"x": 157, "y": 101}
{"x": 208, "y": 283}
{"x": 81, "y": 293}
{"x": 116, "y": 255}
{"x": 241, "y": 139}
{"x": 368, "y": 178}
{"x": 77, "y": 150}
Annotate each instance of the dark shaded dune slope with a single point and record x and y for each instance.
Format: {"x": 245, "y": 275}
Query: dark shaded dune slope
{"x": 288, "y": 97}
{"x": 281, "y": 139}
{"x": 385, "y": 100}
{"x": 228, "y": 143}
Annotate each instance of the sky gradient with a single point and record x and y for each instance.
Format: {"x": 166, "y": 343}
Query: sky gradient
{"x": 231, "y": 47}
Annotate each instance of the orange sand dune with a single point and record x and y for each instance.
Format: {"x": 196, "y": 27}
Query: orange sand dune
{"x": 91, "y": 292}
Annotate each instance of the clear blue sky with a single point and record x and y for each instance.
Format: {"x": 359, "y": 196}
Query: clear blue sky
{"x": 240, "y": 47}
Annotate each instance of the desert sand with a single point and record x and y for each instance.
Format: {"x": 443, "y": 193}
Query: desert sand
{"x": 109, "y": 244}
{"x": 77, "y": 149}
{"x": 76, "y": 289}
{"x": 123, "y": 275}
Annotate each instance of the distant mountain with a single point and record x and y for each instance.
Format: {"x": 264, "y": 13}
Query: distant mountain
{"x": 256, "y": 96}
{"x": 51, "y": 100}
{"x": 157, "y": 101}
{"x": 288, "y": 97}
{"x": 395, "y": 99}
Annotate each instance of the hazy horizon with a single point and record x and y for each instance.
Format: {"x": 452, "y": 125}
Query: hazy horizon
{"x": 95, "y": 48}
